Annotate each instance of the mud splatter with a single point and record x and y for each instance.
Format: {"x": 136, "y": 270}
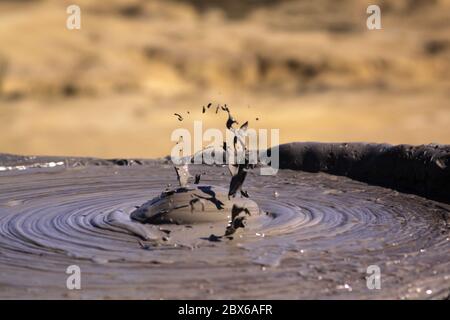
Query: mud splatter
{"x": 314, "y": 242}
{"x": 179, "y": 116}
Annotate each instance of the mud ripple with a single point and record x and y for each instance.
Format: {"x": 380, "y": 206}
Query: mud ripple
{"x": 315, "y": 238}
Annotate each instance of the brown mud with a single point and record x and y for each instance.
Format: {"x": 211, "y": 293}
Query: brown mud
{"x": 423, "y": 170}
{"x": 315, "y": 239}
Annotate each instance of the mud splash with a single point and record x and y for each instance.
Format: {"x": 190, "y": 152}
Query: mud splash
{"x": 187, "y": 204}
{"x": 317, "y": 240}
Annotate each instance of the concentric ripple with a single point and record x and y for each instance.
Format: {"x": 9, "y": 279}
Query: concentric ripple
{"x": 315, "y": 239}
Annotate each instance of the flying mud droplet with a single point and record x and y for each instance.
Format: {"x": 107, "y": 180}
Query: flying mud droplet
{"x": 237, "y": 181}
{"x": 244, "y": 127}
{"x": 237, "y": 220}
{"x": 236, "y": 211}
{"x": 230, "y": 121}
{"x": 180, "y": 118}
{"x": 183, "y": 174}
{"x": 244, "y": 194}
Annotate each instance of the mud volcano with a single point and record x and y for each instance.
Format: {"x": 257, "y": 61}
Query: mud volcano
{"x": 191, "y": 205}
{"x": 315, "y": 236}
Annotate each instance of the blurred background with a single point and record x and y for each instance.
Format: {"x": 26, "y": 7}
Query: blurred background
{"x": 310, "y": 68}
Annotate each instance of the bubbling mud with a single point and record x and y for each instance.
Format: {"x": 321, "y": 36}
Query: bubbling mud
{"x": 315, "y": 237}
{"x": 192, "y": 205}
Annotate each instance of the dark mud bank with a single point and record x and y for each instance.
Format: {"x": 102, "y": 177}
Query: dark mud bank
{"x": 422, "y": 170}
{"x": 12, "y": 160}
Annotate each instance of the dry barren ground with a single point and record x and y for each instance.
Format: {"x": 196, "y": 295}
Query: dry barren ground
{"x": 311, "y": 69}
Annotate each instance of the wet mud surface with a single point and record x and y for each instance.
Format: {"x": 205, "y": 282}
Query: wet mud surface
{"x": 315, "y": 237}
{"x": 422, "y": 170}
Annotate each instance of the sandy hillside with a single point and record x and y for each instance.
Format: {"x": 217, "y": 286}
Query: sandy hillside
{"x": 309, "y": 68}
